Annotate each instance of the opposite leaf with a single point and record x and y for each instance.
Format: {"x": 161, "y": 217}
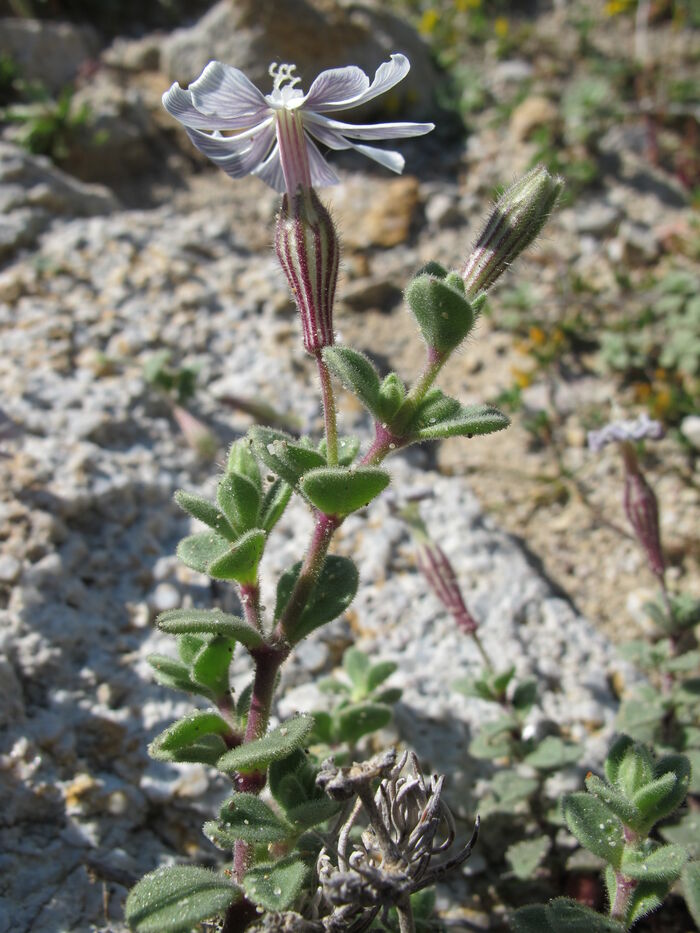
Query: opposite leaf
{"x": 440, "y": 416}
{"x": 341, "y": 490}
{"x": 209, "y": 622}
{"x": 276, "y": 885}
{"x": 595, "y": 826}
{"x": 176, "y": 898}
{"x": 206, "y": 512}
{"x": 240, "y": 562}
{"x": 287, "y": 458}
{"x": 334, "y": 591}
{"x": 357, "y": 374}
{"x": 280, "y": 742}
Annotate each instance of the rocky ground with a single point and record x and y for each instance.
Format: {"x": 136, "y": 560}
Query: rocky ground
{"x": 96, "y": 278}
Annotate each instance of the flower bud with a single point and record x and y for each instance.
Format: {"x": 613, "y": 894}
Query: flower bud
{"x": 308, "y": 250}
{"x": 438, "y": 571}
{"x": 516, "y": 221}
{"x": 642, "y": 510}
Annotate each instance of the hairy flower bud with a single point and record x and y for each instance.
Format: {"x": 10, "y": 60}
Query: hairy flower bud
{"x": 308, "y": 250}
{"x": 642, "y": 510}
{"x": 516, "y": 221}
{"x": 438, "y": 571}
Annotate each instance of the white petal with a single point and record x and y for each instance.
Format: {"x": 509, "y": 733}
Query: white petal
{"x": 323, "y": 134}
{"x": 321, "y": 172}
{"x": 394, "y": 161}
{"x": 270, "y": 171}
{"x": 387, "y": 75}
{"x": 179, "y": 104}
{"x": 236, "y": 155}
{"x": 336, "y": 84}
{"x": 225, "y": 92}
{"x": 367, "y": 130}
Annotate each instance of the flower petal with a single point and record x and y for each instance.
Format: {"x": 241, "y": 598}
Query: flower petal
{"x": 321, "y": 172}
{"x": 178, "y": 103}
{"x": 387, "y": 75}
{"x": 368, "y": 130}
{"x": 325, "y": 135}
{"x": 236, "y": 155}
{"x": 270, "y": 171}
{"x": 394, "y": 161}
{"x": 225, "y": 92}
{"x": 336, "y": 84}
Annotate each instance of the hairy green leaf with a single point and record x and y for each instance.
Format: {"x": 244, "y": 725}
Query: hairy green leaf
{"x": 439, "y": 416}
{"x": 392, "y": 392}
{"x": 334, "y": 591}
{"x": 441, "y": 308}
{"x": 341, "y": 490}
{"x": 379, "y": 672}
{"x": 239, "y": 499}
{"x": 287, "y": 458}
{"x": 274, "y": 503}
{"x": 691, "y": 889}
{"x": 240, "y": 562}
{"x": 568, "y": 916}
{"x": 207, "y": 512}
{"x": 247, "y": 817}
{"x": 348, "y": 448}
{"x": 553, "y": 753}
{"x": 211, "y": 664}
{"x": 241, "y": 460}
{"x": 200, "y": 551}
{"x": 663, "y": 864}
{"x": 171, "y": 673}
{"x": 256, "y": 756}
{"x": 595, "y": 826}
{"x": 614, "y": 798}
{"x": 663, "y": 795}
{"x": 209, "y": 622}
{"x": 357, "y": 374}
{"x": 360, "y": 719}
{"x": 176, "y": 898}
{"x": 525, "y": 857}
{"x": 277, "y": 885}
{"x": 186, "y": 732}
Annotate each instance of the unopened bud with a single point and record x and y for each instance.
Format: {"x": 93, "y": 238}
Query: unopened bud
{"x": 308, "y": 250}
{"x": 642, "y": 510}
{"x": 516, "y": 221}
{"x": 438, "y": 571}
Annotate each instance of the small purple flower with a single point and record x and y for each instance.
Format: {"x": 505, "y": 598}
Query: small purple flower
{"x": 636, "y": 429}
{"x": 271, "y": 135}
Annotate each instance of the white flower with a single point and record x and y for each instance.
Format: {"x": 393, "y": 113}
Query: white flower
{"x": 270, "y": 135}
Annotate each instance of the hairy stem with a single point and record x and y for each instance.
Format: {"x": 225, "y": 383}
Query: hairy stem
{"x": 433, "y": 364}
{"x": 308, "y": 575}
{"x": 250, "y": 600}
{"x": 329, "y": 416}
{"x": 405, "y": 915}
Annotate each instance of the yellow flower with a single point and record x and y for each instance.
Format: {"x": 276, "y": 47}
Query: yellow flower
{"x": 537, "y": 336}
{"x": 428, "y": 22}
{"x": 522, "y": 378}
{"x": 501, "y": 27}
{"x": 463, "y": 6}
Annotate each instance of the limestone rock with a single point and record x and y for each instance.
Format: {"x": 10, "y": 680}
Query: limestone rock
{"x": 532, "y": 113}
{"x": 47, "y": 51}
{"x": 375, "y": 212}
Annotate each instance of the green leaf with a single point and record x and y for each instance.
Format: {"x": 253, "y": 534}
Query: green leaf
{"x": 205, "y": 511}
{"x": 257, "y": 755}
{"x": 274, "y": 503}
{"x": 645, "y": 898}
{"x": 206, "y": 751}
{"x": 441, "y": 308}
{"x": 176, "y": 898}
{"x": 595, "y": 826}
{"x": 379, "y": 672}
{"x": 525, "y": 696}
{"x": 239, "y": 499}
{"x": 357, "y": 374}
{"x": 188, "y": 646}
{"x": 389, "y": 696}
{"x": 682, "y": 663}
{"x": 614, "y": 798}
{"x": 667, "y": 792}
{"x": 361, "y": 718}
{"x": 635, "y": 770}
{"x": 525, "y": 857}
{"x": 619, "y": 750}
{"x": 334, "y": 591}
{"x": 241, "y": 561}
{"x": 494, "y": 739}
{"x": 691, "y": 889}
{"x": 209, "y": 622}
{"x": 341, "y": 490}
{"x": 247, "y": 817}
{"x": 356, "y": 665}
{"x": 553, "y": 754}
{"x": 392, "y": 392}
{"x": 211, "y": 665}
{"x": 568, "y": 916}
{"x": 283, "y": 455}
{"x": 277, "y": 885}
{"x": 531, "y": 919}
{"x": 663, "y": 864}
{"x": 241, "y": 460}
{"x": 686, "y": 833}
{"x": 312, "y": 812}
{"x": 475, "y": 687}
{"x": 186, "y": 732}
{"x": 439, "y": 416}
{"x": 200, "y": 551}
{"x": 171, "y": 673}
{"x": 641, "y": 715}
{"x": 348, "y": 448}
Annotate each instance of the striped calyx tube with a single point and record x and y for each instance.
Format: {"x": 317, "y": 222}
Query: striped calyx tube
{"x": 515, "y": 222}
{"x": 309, "y": 252}
{"x": 438, "y": 571}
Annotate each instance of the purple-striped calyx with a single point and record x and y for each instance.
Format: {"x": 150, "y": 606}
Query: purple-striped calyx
{"x": 307, "y": 247}
{"x": 516, "y": 221}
